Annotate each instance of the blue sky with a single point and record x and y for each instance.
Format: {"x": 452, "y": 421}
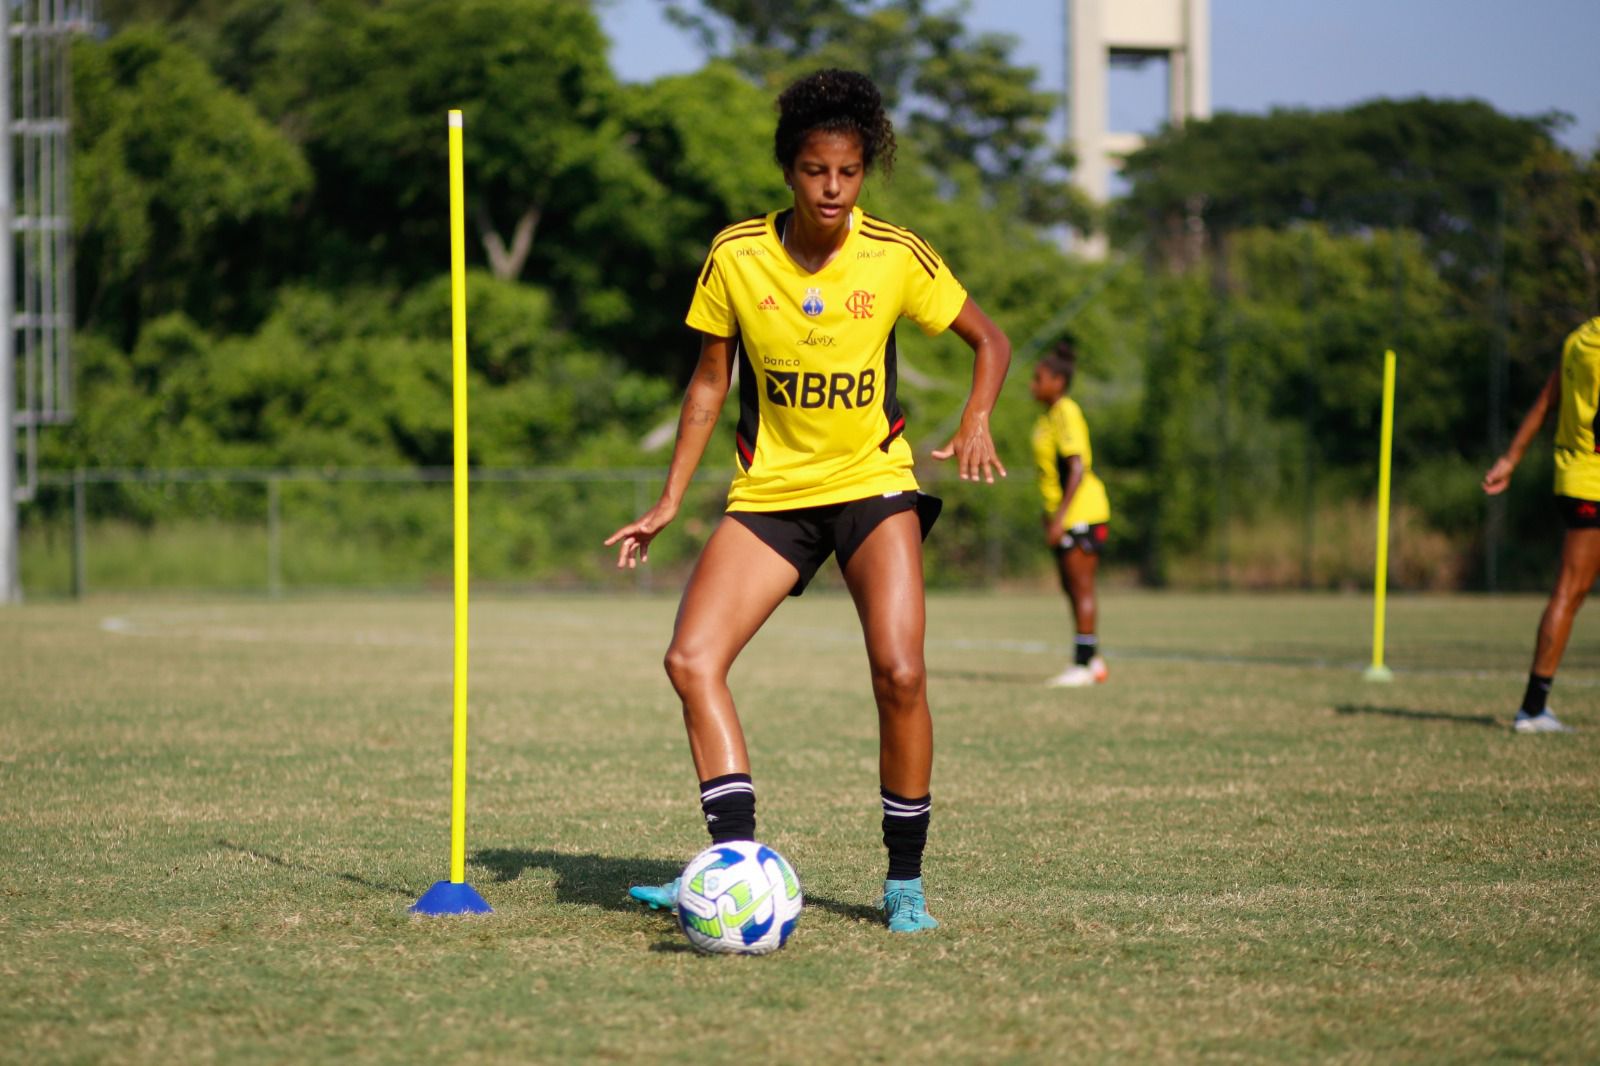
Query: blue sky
{"x": 1523, "y": 56}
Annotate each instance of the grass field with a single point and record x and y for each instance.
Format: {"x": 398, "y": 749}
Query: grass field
{"x": 214, "y": 815}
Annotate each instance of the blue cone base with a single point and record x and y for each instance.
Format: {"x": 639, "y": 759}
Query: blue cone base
{"x": 450, "y": 897}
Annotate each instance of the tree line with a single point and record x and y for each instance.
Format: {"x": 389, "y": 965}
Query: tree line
{"x": 260, "y": 209}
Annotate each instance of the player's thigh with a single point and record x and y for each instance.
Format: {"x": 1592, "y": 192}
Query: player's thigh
{"x": 1079, "y": 567}
{"x": 885, "y": 581}
{"x": 1063, "y": 569}
{"x": 736, "y": 585}
{"x": 1580, "y": 562}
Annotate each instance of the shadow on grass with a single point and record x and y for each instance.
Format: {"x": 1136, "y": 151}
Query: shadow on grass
{"x": 603, "y": 880}
{"x": 279, "y": 860}
{"x": 1486, "y": 720}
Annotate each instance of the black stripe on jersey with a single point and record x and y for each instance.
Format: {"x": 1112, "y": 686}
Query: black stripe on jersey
{"x": 744, "y": 434}
{"x": 1063, "y": 471}
{"x": 1594, "y": 430}
{"x": 744, "y": 224}
{"x": 891, "y": 401}
{"x": 753, "y": 227}
{"x": 869, "y": 235}
{"x": 900, "y": 231}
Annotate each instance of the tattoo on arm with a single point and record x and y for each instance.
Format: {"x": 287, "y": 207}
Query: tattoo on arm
{"x": 697, "y": 415}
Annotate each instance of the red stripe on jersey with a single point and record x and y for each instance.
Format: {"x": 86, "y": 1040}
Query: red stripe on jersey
{"x": 894, "y": 431}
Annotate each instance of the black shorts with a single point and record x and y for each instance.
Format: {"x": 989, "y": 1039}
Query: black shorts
{"x": 1086, "y": 538}
{"x": 806, "y": 536}
{"x": 1578, "y": 514}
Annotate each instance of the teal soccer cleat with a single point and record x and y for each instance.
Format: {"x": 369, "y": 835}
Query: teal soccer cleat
{"x": 904, "y": 908}
{"x": 660, "y": 897}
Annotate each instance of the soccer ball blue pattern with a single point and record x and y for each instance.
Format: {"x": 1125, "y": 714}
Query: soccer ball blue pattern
{"x": 739, "y": 898}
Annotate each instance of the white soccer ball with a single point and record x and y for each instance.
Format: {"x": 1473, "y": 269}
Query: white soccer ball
{"x": 738, "y": 898}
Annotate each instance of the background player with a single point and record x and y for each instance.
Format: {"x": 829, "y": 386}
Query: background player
{"x": 1575, "y": 385}
{"x": 1076, "y": 509}
{"x": 806, "y": 299}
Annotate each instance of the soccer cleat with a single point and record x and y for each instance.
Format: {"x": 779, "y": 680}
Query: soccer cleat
{"x": 1543, "y": 722}
{"x": 660, "y": 897}
{"x": 1072, "y": 677}
{"x": 1095, "y": 673}
{"x": 904, "y": 908}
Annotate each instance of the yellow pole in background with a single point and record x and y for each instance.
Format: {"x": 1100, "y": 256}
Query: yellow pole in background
{"x": 1377, "y": 671}
{"x": 456, "y": 896}
{"x": 458, "y": 392}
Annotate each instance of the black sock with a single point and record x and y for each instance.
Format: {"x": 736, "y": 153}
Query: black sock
{"x": 729, "y": 803}
{"x": 905, "y": 833}
{"x": 1535, "y": 695}
{"x": 1088, "y": 644}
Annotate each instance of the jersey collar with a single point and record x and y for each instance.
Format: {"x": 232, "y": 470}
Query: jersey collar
{"x": 775, "y": 223}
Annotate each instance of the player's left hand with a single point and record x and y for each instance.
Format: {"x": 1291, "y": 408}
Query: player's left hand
{"x": 1498, "y": 479}
{"x": 973, "y": 449}
{"x": 1053, "y": 533}
{"x": 636, "y": 536}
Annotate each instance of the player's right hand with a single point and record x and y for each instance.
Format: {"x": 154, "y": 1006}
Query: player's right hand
{"x": 635, "y": 537}
{"x": 1498, "y": 479}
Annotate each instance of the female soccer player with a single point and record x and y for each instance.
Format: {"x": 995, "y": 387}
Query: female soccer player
{"x": 1575, "y": 387}
{"x": 805, "y": 299}
{"x": 1076, "y": 510}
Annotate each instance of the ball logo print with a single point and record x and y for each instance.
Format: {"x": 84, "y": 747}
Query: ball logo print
{"x": 738, "y": 898}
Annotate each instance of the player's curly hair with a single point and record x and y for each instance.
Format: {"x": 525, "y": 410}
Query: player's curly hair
{"x": 837, "y": 101}
{"x": 1062, "y": 360}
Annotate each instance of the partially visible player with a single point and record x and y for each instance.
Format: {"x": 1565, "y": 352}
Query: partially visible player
{"x": 1076, "y": 510}
{"x": 1574, "y": 387}
{"x": 804, "y": 300}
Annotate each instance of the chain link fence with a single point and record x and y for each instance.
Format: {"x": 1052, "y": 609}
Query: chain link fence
{"x": 1255, "y": 525}
{"x": 281, "y": 531}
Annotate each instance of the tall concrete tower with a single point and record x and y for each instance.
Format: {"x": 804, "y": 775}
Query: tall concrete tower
{"x": 1103, "y": 32}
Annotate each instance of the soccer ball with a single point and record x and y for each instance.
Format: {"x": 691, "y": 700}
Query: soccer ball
{"x": 738, "y": 898}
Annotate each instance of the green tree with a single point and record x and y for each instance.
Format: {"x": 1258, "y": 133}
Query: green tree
{"x": 1439, "y": 167}
{"x": 1553, "y": 257}
{"x": 176, "y": 183}
{"x": 958, "y": 95}
{"x": 370, "y": 88}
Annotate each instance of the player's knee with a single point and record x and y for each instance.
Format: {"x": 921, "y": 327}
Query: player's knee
{"x": 688, "y": 669}
{"x": 1569, "y": 596}
{"x": 900, "y": 683}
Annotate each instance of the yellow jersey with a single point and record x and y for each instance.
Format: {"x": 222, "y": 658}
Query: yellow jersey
{"x": 1060, "y": 434}
{"x": 1577, "y": 450}
{"x": 819, "y": 422}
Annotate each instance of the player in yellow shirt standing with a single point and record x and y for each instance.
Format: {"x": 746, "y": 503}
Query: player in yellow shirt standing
{"x": 804, "y": 300}
{"x": 1076, "y": 510}
{"x": 1574, "y": 387}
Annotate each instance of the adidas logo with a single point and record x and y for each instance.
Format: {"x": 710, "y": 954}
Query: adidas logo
{"x": 769, "y": 304}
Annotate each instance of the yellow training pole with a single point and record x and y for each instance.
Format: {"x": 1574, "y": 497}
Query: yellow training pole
{"x": 1377, "y": 671}
{"x": 458, "y": 393}
{"x": 456, "y": 896}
